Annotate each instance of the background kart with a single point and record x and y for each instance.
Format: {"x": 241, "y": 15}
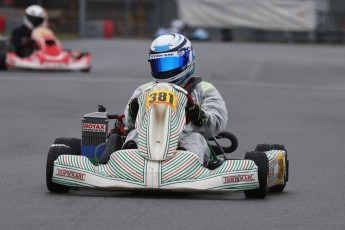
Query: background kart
{"x": 48, "y": 55}
{"x": 97, "y": 161}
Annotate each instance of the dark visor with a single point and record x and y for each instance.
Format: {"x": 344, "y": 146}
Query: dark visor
{"x": 168, "y": 61}
{"x": 36, "y": 21}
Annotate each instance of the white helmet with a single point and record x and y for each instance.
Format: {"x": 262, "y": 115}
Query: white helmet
{"x": 34, "y": 16}
{"x": 172, "y": 58}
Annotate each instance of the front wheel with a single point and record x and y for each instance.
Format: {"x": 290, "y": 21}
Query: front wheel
{"x": 260, "y": 159}
{"x": 53, "y": 154}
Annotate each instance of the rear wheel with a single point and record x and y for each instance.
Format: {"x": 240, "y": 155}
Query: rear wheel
{"x": 261, "y": 161}
{"x": 263, "y": 147}
{"x": 73, "y": 143}
{"x": 3, "y": 62}
{"x": 53, "y": 154}
{"x": 268, "y": 147}
{"x": 87, "y": 70}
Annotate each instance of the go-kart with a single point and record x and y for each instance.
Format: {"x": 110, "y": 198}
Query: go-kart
{"x": 100, "y": 160}
{"x": 47, "y": 54}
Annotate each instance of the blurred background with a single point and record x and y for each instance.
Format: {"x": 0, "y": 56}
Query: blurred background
{"x": 292, "y": 21}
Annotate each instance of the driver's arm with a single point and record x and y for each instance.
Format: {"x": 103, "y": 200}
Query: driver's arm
{"x": 212, "y": 103}
{"x": 20, "y": 40}
{"x": 16, "y": 38}
{"x": 129, "y": 121}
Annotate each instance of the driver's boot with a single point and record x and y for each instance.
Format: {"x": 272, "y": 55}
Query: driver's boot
{"x": 213, "y": 164}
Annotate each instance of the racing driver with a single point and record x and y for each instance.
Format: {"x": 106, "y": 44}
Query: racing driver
{"x": 209, "y": 114}
{"x": 35, "y": 16}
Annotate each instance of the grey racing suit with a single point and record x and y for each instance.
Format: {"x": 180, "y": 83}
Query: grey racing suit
{"x": 194, "y": 138}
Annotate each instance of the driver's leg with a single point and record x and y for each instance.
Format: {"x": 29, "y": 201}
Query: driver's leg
{"x": 197, "y": 144}
{"x": 132, "y": 136}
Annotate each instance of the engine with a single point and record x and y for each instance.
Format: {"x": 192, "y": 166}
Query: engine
{"x": 94, "y": 134}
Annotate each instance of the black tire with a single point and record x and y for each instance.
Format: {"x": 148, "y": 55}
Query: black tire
{"x": 114, "y": 143}
{"x": 263, "y": 147}
{"x": 3, "y": 65}
{"x": 278, "y": 147}
{"x": 73, "y": 143}
{"x": 53, "y": 154}
{"x": 87, "y": 70}
{"x": 268, "y": 147}
{"x": 261, "y": 161}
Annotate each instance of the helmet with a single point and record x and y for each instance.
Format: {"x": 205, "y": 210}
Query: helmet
{"x": 172, "y": 58}
{"x": 34, "y": 16}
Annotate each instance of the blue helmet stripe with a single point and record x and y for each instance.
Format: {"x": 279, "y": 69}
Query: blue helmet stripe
{"x": 161, "y": 48}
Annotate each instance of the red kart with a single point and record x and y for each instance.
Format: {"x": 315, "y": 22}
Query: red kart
{"x": 48, "y": 55}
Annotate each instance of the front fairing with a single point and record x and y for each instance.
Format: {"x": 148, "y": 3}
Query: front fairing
{"x": 160, "y": 120}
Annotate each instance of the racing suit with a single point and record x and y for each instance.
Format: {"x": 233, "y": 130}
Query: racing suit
{"x": 193, "y": 138}
{"x": 21, "y": 41}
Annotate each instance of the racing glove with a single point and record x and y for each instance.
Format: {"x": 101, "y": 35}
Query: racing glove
{"x": 28, "y": 42}
{"x": 133, "y": 108}
{"x": 196, "y": 115}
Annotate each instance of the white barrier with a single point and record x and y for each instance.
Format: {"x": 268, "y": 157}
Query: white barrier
{"x": 283, "y": 15}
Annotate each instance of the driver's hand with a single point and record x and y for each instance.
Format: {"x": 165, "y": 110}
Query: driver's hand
{"x": 196, "y": 115}
{"x": 28, "y": 42}
{"x": 133, "y": 108}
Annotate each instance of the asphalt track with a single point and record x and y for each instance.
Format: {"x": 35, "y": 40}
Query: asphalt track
{"x": 289, "y": 94}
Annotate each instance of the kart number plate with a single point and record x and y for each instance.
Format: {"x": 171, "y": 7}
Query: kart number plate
{"x": 40, "y": 32}
{"x": 161, "y": 97}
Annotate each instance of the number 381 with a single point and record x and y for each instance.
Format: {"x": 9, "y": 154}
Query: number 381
{"x": 162, "y": 96}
